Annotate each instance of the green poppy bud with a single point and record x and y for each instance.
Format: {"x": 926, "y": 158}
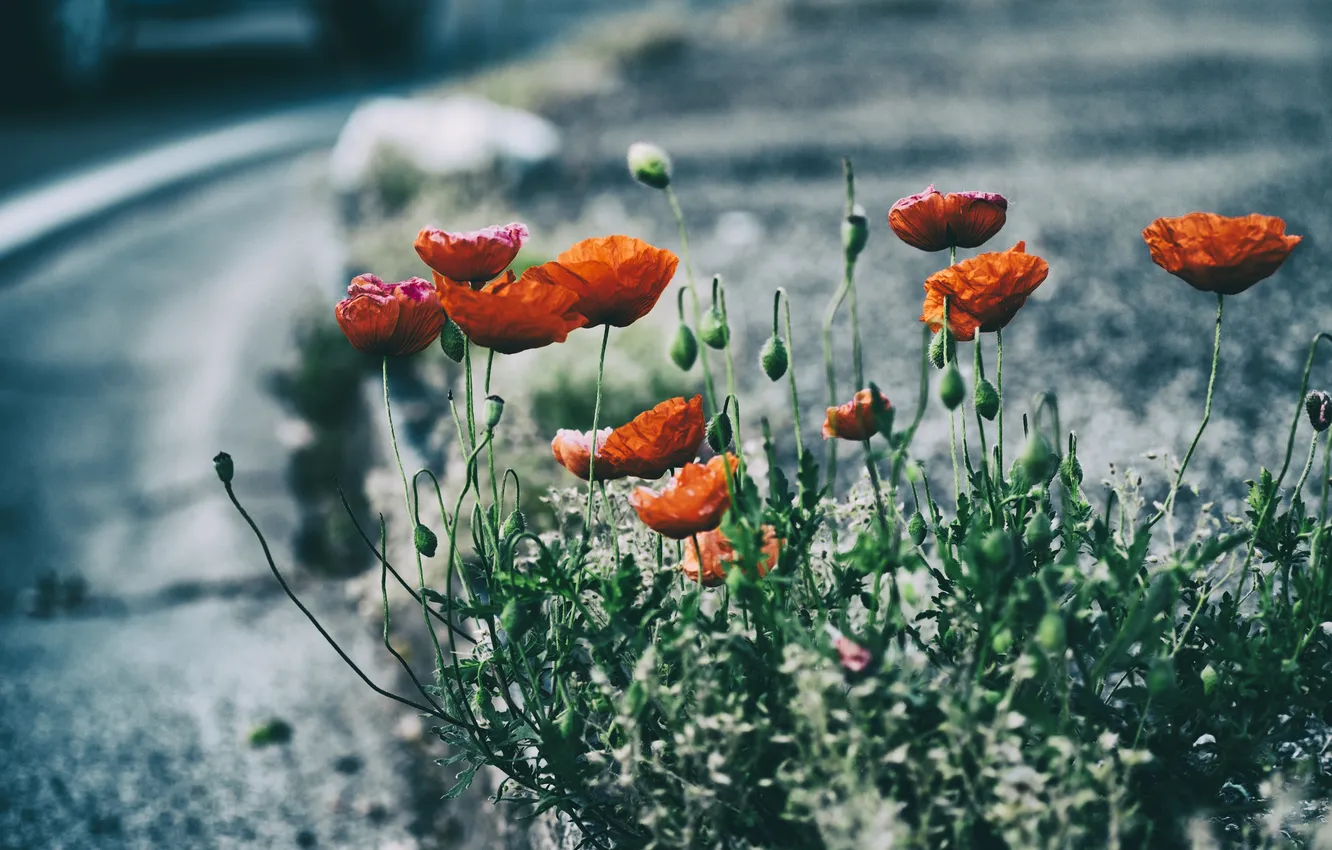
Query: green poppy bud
{"x": 773, "y": 358}
{"x": 1037, "y": 534}
{"x": 952, "y": 389}
{"x": 684, "y": 349}
{"x": 1038, "y": 461}
{"x": 1070, "y": 471}
{"x": 855, "y": 232}
{"x": 650, "y": 165}
{"x": 1002, "y": 641}
{"x": 916, "y": 528}
{"x": 425, "y": 540}
{"x": 938, "y": 351}
{"x": 995, "y": 549}
{"x": 494, "y": 411}
{"x": 226, "y": 468}
{"x": 986, "y": 399}
{"x": 719, "y": 432}
{"x": 1050, "y": 634}
{"x": 514, "y": 619}
{"x": 1209, "y": 676}
{"x": 452, "y": 341}
{"x": 516, "y": 523}
{"x": 712, "y": 329}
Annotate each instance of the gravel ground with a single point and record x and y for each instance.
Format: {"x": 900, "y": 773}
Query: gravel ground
{"x": 1092, "y": 118}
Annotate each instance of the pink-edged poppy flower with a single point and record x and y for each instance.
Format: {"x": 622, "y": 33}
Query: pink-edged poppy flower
{"x": 473, "y": 257}
{"x": 390, "y": 319}
{"x": 933, "y": 221}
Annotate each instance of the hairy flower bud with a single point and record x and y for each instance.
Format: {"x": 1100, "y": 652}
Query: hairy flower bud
{"x": 1070, "y": 471}
{"x": 684, "y": 349}
{"x": 516, "y": 523}
{"x": 1037, "y": 534}
{"x": 719, "y": 432}
{"x": 916, "y": 528}
{"x": 986, "y": 399}
{"x": 773, "y": 358}
{"x": 712, "y": 329}
{"x": 452, "y": 341}
{"x": 951, "y": 388}
{"x": 855, "y": 232}
{"x": 938, "y": 351}
{"x": 1318, "y": 405}
{"x": 1050, "y": 634}
{"x": 1038, "y": 461}
{"x": 225, "y": 467}
{"x": 425, "y": 540}
{"x": 650, "y": 165}
{"x": 494, "y": 411}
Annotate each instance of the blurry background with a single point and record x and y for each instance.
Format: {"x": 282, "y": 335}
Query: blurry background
{"x": 185, "y": 188}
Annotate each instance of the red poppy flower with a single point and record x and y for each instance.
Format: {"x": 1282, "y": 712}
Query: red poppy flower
{"x": 694, "y": 500}
{"x": 476, "y": 256}
{"x": 390, "y": 319}
{"x": 618, "y": 278}
{"x": 933, "y": 221}
{"x": 654, "y": 442}
{"x": 714, "y": 552}
{"x": 855, "y": 420}
{"x": 509, "y": 315}
{"x": 985, "y": 292}
{"x": 852, "y": 655}
{"x": 573, "y": 451}
{"x": 1216, "y": 253}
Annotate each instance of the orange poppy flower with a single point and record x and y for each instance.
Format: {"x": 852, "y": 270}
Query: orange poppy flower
{"x": 694, "y": 500}
{"x": 509, "y": 315}
{"x": 476, "y": 256}
{"x": 655, "y": 441}
{"x": 390, "y": 319}
{"x": 855, "y": 420}
{"x": 1216, "y": 253}
{"x": 714, "y": 552}
{"x": 985, "y": 292}
{"x": 933, "y": 221}
{"x": 618, "y": 278}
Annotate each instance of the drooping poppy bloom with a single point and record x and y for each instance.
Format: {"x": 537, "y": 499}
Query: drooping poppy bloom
{"x": 473, "y": 257}
{"x": 618, "y": 278}
{"x": 857, "y": 419}
{"x": 654, "y": 442}
{"x": 390, "y": 319}
{"x": 1216, "y": 253}
{"x": 984, "y": 293}
{"x": 573, "y": 451}
{"x": 509, "y": 315}
{"x": 706, "y": 562}
{"x": 694, "y": 500}
{"x": 933, "y": 221}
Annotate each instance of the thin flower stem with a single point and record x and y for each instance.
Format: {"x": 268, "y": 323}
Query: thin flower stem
{"x": 490, "y": 451}
{"x": 383, "y": 595}
{"x": 790, "y": 374}
{"x": 720, "y": 298}
{"x": 708, "y": 385}
{"x": 921, "y": 403}
{"x": 596, "y": 416}
{"x": 1207, "y": 410}
{"x": 1316, "y": 549}
{"x": 999, "y": 391}
{"x": 979, "y": 370}
{"x": 268, "y": 556}
{"x": 952, "y": 452}
{"x": 1308, "y": 465}
{"x": 471, "y": 403}
{"x": 849, "y": 281}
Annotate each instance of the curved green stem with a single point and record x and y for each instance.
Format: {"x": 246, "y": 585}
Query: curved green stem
{"x": 999, "y": 391}
{"x": 790, "y": 371}
{"x": 709, "y": 386}
{"x": 596, "y": 416}
{"x": 1207, "y": 408}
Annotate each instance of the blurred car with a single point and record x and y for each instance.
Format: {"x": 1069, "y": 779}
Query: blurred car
{"x": 71, "y": 45}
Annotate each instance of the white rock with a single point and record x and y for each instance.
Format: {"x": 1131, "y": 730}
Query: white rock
{"x": 1205, "y": 740}
{"x": 455, "y": 135}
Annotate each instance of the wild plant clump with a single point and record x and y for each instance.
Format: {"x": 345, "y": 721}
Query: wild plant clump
{"x": 981, "y": 656}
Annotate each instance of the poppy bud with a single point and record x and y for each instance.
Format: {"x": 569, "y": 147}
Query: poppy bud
{"x": 712, "y": 329}
{"x": 1209, "y": 677}
{"x": 951, "y": 389}
{"x": 514, "y": 619}
{"x": 916, "y": 528}
{"x": 684, "y": 349}
{"x": 650, "y": 165}
{"x": 425, "y": 540}
{"x": 1038, "y": 461}
{"x": 1037, "y": 534}
{"x": 1050, "y": 634}
{"x": 937, "y": 350}
{"x": 515, "y": 524}
{"x": 1070, "y": 471}
{"x": 1002, "y": 641}
{"x": 855, "y": 232}
{"x": 773, "y": 358}
{"x": 995, "y": 549}
{"x": 986, "y": 399}
{"x": 719, "y": 432}
{"x": 494, "y": 411}
{"x": 225, "y": 467}
{"x": 1318, "y": 405}
{"x": 452, "y": 341}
